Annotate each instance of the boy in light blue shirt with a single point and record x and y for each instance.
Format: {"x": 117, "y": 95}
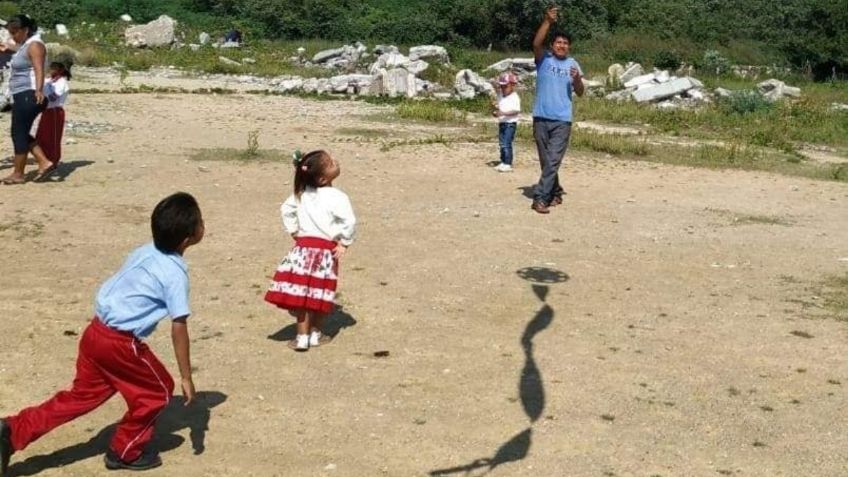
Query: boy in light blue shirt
{"x": 151, "y": 285}
{"x": 558, "y": 76}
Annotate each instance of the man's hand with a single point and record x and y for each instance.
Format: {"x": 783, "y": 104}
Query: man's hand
{"x": 575, "y": 74}
{"x": 551, "y": 14}
{"x": 39, "y": 97}
{"x": 188, "y": 390}
{"x": 339, "y": 251}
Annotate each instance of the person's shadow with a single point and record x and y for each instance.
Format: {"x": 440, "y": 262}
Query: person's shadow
{"x": 338, "y": 320}
{"x": 65, "y": 168}
{"x": 176, "y": 417}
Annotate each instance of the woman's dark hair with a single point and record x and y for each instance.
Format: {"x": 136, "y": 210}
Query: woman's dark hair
{"x": 23, "y": 21}
{"x": 308, "y": 170}
{"x": 65, "y": 69}
{"x": 175, "y": 218}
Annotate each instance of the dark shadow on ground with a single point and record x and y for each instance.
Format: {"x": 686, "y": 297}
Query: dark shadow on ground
{"x": 176, "y": 417}
{"x": 528, "y": 191}
{"x": 531, "y": 386}
{"x": 65, "y": 169}
{"x": 333, "y": 325}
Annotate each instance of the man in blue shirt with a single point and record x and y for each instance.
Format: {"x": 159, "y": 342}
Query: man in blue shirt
{"x": 151, "y": 285}
{"x": 558, "y": 76}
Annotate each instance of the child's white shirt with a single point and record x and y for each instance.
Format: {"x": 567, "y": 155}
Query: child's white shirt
{"x": 324, "y": 212}
{"x": 510, "y": 103}
{"x": 56, "y": 91}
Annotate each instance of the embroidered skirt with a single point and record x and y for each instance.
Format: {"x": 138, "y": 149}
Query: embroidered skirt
{"x": 306, "y": 278}
{"x": 50, "y": 131}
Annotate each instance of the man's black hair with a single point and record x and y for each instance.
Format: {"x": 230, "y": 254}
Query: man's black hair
{"x": 561, "y": 34}
{"x": 174, "y": 219}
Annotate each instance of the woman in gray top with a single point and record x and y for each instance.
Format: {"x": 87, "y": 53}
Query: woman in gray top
{"x": 26, "y": 85}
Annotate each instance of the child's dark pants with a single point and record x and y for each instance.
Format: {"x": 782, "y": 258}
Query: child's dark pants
{"x": 109, "y": 361}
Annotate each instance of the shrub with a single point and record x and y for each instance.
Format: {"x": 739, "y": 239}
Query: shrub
{"x": 667, "y": 60}
{"x": 745, "y": 102}
{"x": 8, "y": 9}
{"x": 714, "y": 62}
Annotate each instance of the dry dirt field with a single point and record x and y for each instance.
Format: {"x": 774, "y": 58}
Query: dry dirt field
{"x": 657, "y": 324}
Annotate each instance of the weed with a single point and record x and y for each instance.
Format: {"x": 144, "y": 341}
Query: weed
{"x": 232, "y": 154}
{"x": 431, "y": 111}
{"x": 835, "y": 296}
{"x": 252, "y": 150}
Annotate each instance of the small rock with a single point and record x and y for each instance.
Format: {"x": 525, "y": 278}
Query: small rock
{"x": 204, "y": 38}
{"x": 61, "y": 29}
{"x": 330, "y": 467}
{"x": 227, "y": 61}
{"x": 124, "y": 17}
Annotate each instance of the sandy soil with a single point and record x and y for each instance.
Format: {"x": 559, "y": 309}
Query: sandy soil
{"x": 643, "y": 328}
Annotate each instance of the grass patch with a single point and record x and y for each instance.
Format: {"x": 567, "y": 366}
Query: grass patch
{"x": 613, "y": 144}
{"x": 239, "y": 155}
{"x": 430, "y": 111}
{"x": 750, "y": 219}
{"x": 835, "y": 295}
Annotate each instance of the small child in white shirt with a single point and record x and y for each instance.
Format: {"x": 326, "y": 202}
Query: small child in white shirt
{"x": 51, "y": 127}
{"x": 320, "y": 219}
{"x": 507, "y": 109}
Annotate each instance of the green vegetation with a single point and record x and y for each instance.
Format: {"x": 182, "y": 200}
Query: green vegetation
{"x": 836, "y": 296}
{"x": 657, "y": 32}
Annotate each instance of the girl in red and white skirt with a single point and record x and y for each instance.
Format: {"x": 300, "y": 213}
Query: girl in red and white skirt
{"x": 52, "y": 124}
{"x": 320, "y": 219}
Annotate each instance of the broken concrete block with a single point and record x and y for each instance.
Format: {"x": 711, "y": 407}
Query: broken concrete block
{"x": 631, "y": 72}
{"x": 663, "y": 91}
{"x": 640, "y": 80}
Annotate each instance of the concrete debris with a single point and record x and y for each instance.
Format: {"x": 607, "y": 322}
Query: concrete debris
{"x": 838, "y": 107}
{"x": 125, "y": 18}
{"x": 519, "y": 65}
{"x": 632, "y": 70}
{"x": 159, "y": 32}
{"x": 469, "y": 84}
{"x": 61, "y": 30}
{"x": 227, "y": 61}
{"x": 432, "y": 53}
{"x": 663, "y": 91}
{"x": 204, "y": 38}
{"x": 775, "y": 90}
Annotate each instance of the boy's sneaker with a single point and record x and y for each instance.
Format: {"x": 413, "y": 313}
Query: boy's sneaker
{"x": 540, "y": 207}
{"x": 145, "y": 462}
{"x": 5, "y": 446}
{"x": 503, "y": 167}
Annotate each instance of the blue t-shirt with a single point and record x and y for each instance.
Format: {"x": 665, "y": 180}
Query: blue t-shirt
{"x": 554, "y": 87}
{"x": 149, "y": 286}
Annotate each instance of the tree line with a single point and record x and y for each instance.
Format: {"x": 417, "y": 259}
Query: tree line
{"x": 801, "y": 32}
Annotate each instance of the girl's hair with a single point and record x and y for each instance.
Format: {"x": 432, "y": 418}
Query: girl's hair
{"x": 23, "y": 21}
{"x": 308, "y": 170}
{"x": 66, "y": 70}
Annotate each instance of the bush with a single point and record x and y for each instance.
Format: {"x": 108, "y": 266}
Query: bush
{"x": 713, "y": 62}
{"x": 745, "y": 102}
{"x": 8, "y": 9}
{"x": 667, "y": 60}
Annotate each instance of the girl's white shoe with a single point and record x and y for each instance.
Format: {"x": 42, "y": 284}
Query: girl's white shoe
{"x": 301, "y": 343}
{"x": 315, "y": 338}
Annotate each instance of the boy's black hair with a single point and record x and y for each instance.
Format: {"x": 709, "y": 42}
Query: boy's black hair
{"x": 308, "y": 170}
{"x": 561, "y": 34}
{"x": 174, "y": 219}
{"x": 23, "y": 21}
{"x": 66, "y": 69}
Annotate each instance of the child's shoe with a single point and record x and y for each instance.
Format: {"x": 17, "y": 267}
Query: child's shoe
{"x": 5, "y": 446}
{"x": 316, "y": 338}
{"x": 503, "y": 167}
{"x": 145, "y": 462}
{"x": 300, "y": 343}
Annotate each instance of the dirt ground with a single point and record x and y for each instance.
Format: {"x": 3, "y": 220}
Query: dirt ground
{"x": 644, "y": 328}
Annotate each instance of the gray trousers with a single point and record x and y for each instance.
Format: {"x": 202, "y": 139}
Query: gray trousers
{"x": 551, "y": 141}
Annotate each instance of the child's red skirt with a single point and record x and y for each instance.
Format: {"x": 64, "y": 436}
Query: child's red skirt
{"x": 50, "y": 131}
{"x": 306, "y": 278}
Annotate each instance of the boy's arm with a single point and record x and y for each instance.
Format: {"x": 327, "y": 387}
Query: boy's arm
{"x": 542, "y": 33}
{"x": 179, "y": 336}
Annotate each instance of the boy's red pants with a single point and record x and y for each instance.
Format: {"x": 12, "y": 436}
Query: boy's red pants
{"x": 109, "y": 361}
